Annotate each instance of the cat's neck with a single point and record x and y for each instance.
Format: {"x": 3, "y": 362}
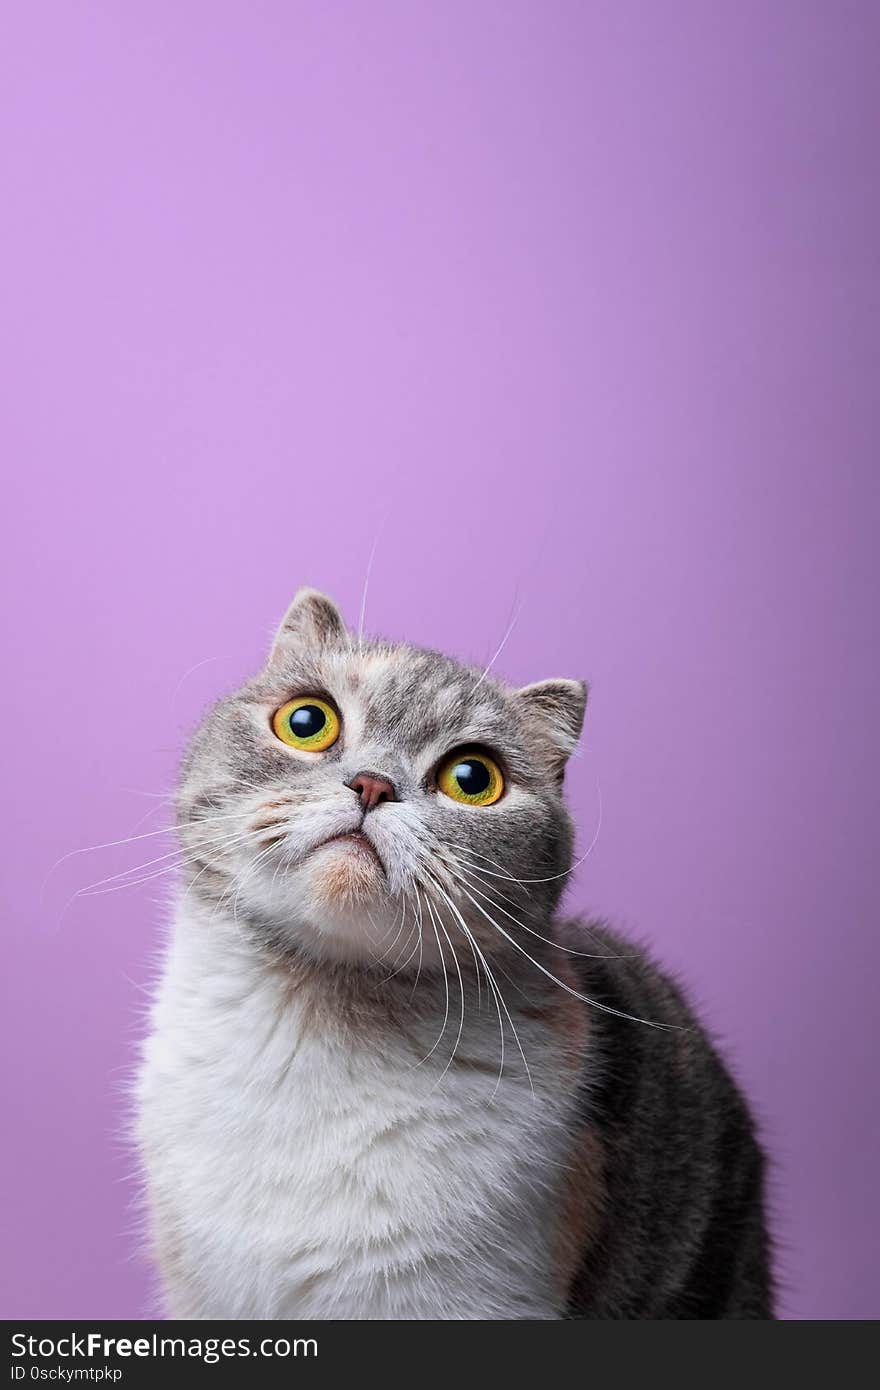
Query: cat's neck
{"x": 228, "y": 969}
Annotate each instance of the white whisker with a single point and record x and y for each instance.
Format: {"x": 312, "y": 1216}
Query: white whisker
{"x": 461, "y": 991}
{"x": 130, "y": 839}
{"x": 392, "y": 944}
{"x": 206, "y": 661}
{"x": 363, "y": 609}
{"x": 500, "y": 648}
{"x": 404, "y": 963}
{"x": 446, "y": 983}
{"x": 576, "y": 994}
{"x": 498, "y": 995}
{"x": 181, "y": 853}
{"x": 421, "y": 945}
{"x": 569, "y": 950}
{"x": 180, "y": 858}
{"x": 551, "y": 878}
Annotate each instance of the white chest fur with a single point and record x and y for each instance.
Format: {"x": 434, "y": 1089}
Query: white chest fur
{"x": 296, "y": 1169}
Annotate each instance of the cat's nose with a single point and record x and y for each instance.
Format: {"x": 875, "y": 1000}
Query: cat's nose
{"x": 372, "y": 789}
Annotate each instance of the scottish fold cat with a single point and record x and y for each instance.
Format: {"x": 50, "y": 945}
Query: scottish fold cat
{"x": 384, "y": 1078}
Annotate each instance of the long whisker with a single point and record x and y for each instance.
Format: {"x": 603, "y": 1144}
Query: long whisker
{"x": 576, "y": 994}
{"x": 472, "y": 944}
{"x": 481, "y": 874}
{"x": 464, "y": 877}
{"x": 500, "y": 648}
{"x": 408, "y": 939}
{"x": 165, "y": 871}
{"x": 163, "y": 804}
{"x": 129, "y": 839}
{"x": 392, "y": 944}
{"x": 421, "y": 945}
{"x": 236, "y": 884}
{"x": 235, "y": 888}
{"x": 282, "y": 861}
{"x": 205, "y": 661}
{"x": 417, "y": 947}
{"x": 461, "y": 991}
{"x": 498, "y": 995}
{"x": 156, "y": 796}
{"x": 479, "y": 871}
{"x": 184, "y": 861}
{"x": 497, "y": 1000}
{"x": 551, "y": 877}
{"x": 181, "y": 852}
{"x": 363, "y": 609}
{"x": 249, "y": 870}
{"x": 445, "y": 981}
{"x": 209, "y": 864}
{"x": 180, "y": 858}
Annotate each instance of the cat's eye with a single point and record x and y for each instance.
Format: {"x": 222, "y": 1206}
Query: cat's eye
{"x": 307, "y": 722}
{"x": 471, "y": 777}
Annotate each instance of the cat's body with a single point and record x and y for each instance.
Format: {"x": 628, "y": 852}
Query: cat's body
{"x": 318, "y": 1171}
{"x": 683, "y": 1234}
{"x": 342, "y": 1119}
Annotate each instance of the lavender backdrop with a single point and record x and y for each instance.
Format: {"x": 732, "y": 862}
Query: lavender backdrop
{"x": 581, "y": 299}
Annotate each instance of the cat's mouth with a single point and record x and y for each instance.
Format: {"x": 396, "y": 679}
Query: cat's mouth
{"x": 358, "y": 842}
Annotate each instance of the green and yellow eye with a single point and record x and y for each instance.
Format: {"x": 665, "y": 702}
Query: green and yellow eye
{"x": 472, "y": 778}
{"x": 307, "y": 723}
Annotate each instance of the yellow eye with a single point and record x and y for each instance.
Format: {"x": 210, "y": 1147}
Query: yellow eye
{"x": 472, "y": 778}
{"x": 308, "y": 723}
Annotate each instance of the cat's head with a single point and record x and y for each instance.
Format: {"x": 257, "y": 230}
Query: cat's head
{"x": 364, "y": 801}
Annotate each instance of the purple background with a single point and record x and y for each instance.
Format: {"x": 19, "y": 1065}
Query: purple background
{"x": 576, "y": 306}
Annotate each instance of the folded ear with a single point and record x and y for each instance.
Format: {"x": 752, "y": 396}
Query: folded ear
{"x": 312, "y": 620}
{"x": 559, "y": 706}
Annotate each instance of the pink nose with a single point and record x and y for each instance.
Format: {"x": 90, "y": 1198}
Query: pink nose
{"x": 372, "y": 790}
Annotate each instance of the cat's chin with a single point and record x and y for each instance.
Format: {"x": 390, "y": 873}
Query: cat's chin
{"x": 345, "y": 911}
{"x": 345, "y": 873}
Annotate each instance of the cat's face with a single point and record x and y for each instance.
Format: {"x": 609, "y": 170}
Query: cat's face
{"x": 367, "y": 802}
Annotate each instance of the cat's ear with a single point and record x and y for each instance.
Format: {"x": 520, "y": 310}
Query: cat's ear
{"x": 559, "y": 706}
{"x": 312, "y": 621}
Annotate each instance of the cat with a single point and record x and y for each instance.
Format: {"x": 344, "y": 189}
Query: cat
{"x": 383, "y": 1079}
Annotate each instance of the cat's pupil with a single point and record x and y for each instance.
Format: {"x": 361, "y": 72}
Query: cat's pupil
{"x": 307, "y": 721}
{"x": 473, "y": 777}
